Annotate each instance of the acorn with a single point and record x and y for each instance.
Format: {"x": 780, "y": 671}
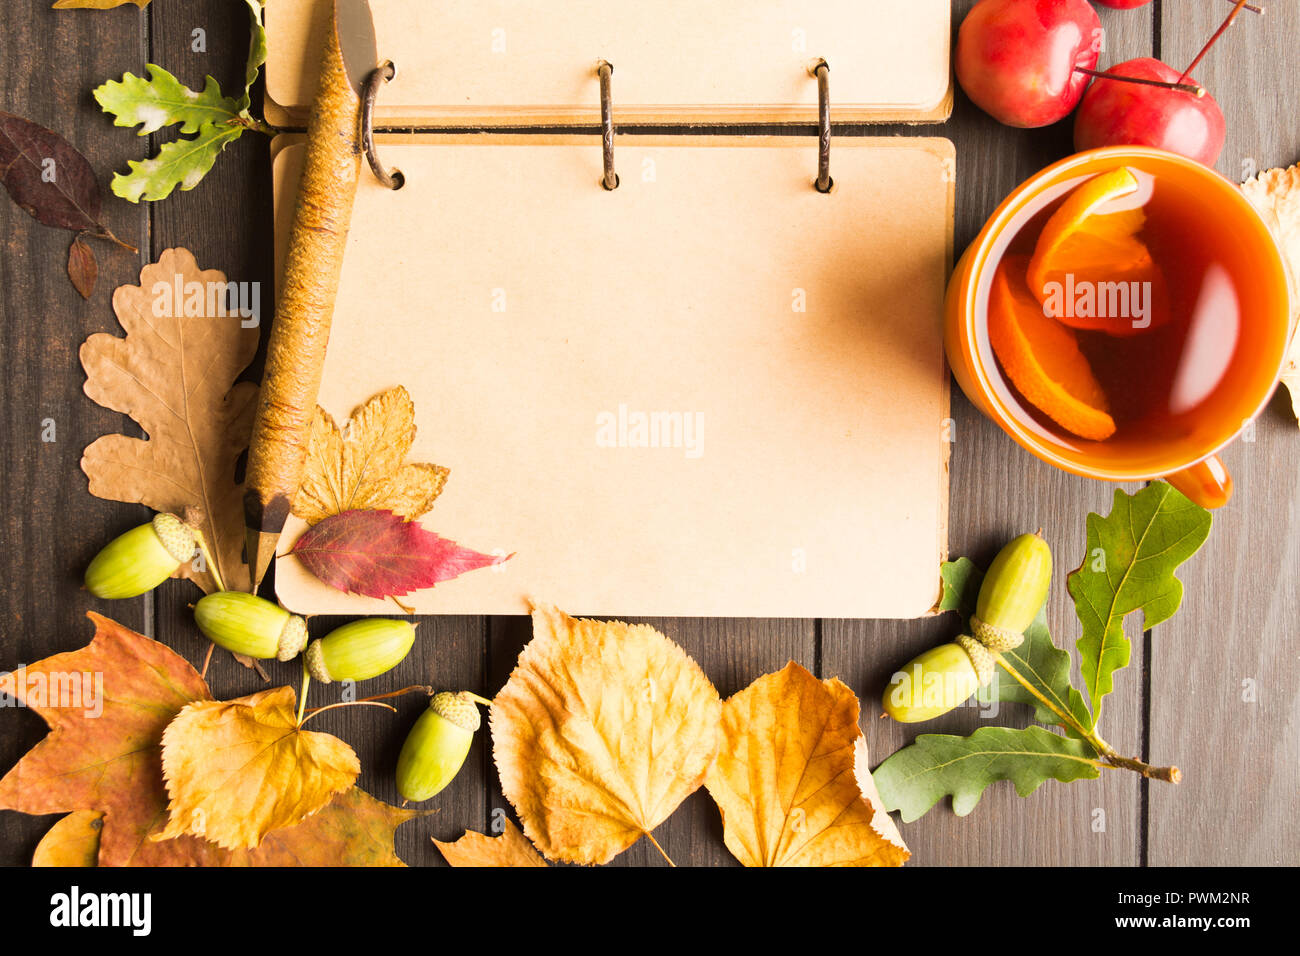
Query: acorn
{"x": 141, "y": 559}
{"x": 1013, "y": 592}
{"x": 933, "y": 684}
{"x": 247, "y": 624}
{"x": 360, "y": 650}
{"x": 1011, "y": 595}
{"x": 437, "y": 746}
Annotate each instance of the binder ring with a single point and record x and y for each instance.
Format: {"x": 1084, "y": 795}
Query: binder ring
{"x": 822, "y": 70}
{"x": 604, "y": 69}
{"x": 378, "y": 76}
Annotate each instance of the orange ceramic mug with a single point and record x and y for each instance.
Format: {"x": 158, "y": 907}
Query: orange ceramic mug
{"x": 1229, "y": 359}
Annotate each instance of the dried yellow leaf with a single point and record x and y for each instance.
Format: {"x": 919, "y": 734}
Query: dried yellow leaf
{"x": 72, "y": 841}
{"x": 1276, "y": 194}
{"x": 603, "y": 729}
{"x": 511, "y": 848}
{"x": 361, "y": 465}
{"x": 236, "y": 770}
{"x": 791, "y": 777}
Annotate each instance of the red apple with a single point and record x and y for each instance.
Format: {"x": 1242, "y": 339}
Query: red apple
{"x": 1115, "y": 113}
{"x": 1016, "y": 59}
{"x": 1123, "y": 4}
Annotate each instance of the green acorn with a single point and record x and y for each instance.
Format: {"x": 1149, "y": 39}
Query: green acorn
{"x": 247, "y": 624}
{"x": 1013, "y": 592}
{"x": 360, "y": 650}
{"x": 1011, "y": 595}
{"x": 437, "y": 745}
{"x": 141, "y": 559}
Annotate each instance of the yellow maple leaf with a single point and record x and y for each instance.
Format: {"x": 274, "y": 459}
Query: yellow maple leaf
{"x": 511, "y": 848}
{"x": 1276, "y": 194}
{"x": 236, "y": 770}
{"x": 602, "y": 730}
{"x": 791, "y": 777}
{"x": 362, "y": 465}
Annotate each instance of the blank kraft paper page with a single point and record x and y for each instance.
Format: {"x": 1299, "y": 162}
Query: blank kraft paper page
{"x": 710, "y": 391}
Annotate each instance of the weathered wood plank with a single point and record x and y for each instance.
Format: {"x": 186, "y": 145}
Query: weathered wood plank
{"x": 1225, "y": 672}
{"x": 49, "y": 526}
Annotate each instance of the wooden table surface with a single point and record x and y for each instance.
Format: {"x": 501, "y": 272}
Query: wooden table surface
{"x": 1180, "y": 702}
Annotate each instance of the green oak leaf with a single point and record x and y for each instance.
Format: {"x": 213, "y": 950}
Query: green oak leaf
{"x": 182, "y": 163}
{"x": 256, "y": 54}
{"x": 162, "y": 100}
{"x": 961, "y": 587}
{"x": 1131, "y": 558}
{"x": 935, "y": 766}
{"x": 1038, "y": 659}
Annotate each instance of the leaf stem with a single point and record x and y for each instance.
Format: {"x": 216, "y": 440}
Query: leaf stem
{"x": 477, "y": 699}
{"x": 651, "y": 837}
{"x": 302, "y": 695}
{"x": 345, "y": 703}
{"x": 378, "y": 697}
{"x": 1104, "y": 750}
{"x": 248, "y": 121}
{"x": 202, "y": 542}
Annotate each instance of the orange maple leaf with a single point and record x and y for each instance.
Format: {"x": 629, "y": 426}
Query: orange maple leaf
{"x": 107, "y": 705}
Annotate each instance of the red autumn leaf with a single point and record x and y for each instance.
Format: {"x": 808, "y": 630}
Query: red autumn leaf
{"x": 380, "y": 554}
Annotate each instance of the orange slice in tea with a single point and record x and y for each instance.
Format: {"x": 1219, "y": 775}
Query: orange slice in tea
{"x": 1042, "y": 357}
{"x": 1090, "y": 270}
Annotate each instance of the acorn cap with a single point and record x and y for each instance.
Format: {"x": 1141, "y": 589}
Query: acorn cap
{"x": 176, "y": 536}
{"x": 458, "y": 708}
{"x": 292, "y": 638}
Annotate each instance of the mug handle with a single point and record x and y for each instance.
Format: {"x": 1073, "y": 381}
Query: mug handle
{"x": 1207, "y": 482}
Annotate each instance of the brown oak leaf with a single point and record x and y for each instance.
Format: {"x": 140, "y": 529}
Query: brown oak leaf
{"x": 791, "y": 777}
{"x": 362, "y": 466}
{"x": 1276, "y": 194}
{"x": 511, "y": 848}
{"x": 238, "y": 769}
{"x": 602, "y": 730}
{"x": 104, "y": 754}
{"x": 174, "y": 373}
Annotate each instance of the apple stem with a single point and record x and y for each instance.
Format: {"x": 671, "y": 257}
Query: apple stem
{"x": 1181, "y": 87}
{"x": 1236, "y": 9}
{"x": 1251, "y": 7}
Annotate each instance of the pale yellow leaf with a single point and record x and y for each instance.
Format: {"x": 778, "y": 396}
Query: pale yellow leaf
{"x": 236, "y": 770}
{"x": 602, "y": 730}
{"x": 511, "y": 848}
{"x": 361, "y": 465}
{"x": 1276, "y": 194}
{"x": 791, "y": 777}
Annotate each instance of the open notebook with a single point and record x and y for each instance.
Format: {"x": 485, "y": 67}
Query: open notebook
{"x": 711, "y": 391}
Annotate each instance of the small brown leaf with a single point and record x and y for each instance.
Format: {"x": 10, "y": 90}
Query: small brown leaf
{"x": 603, "y": 729}
{"x": 360, "y": 467}
{"x": 174, "y": 373}
{"x": 82, "y": 268}
{"x": 73, "y": 841}
{"x": 791, "y": 777}
{"x": 236, "y": 770}
{"x": 511, "y": 848}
